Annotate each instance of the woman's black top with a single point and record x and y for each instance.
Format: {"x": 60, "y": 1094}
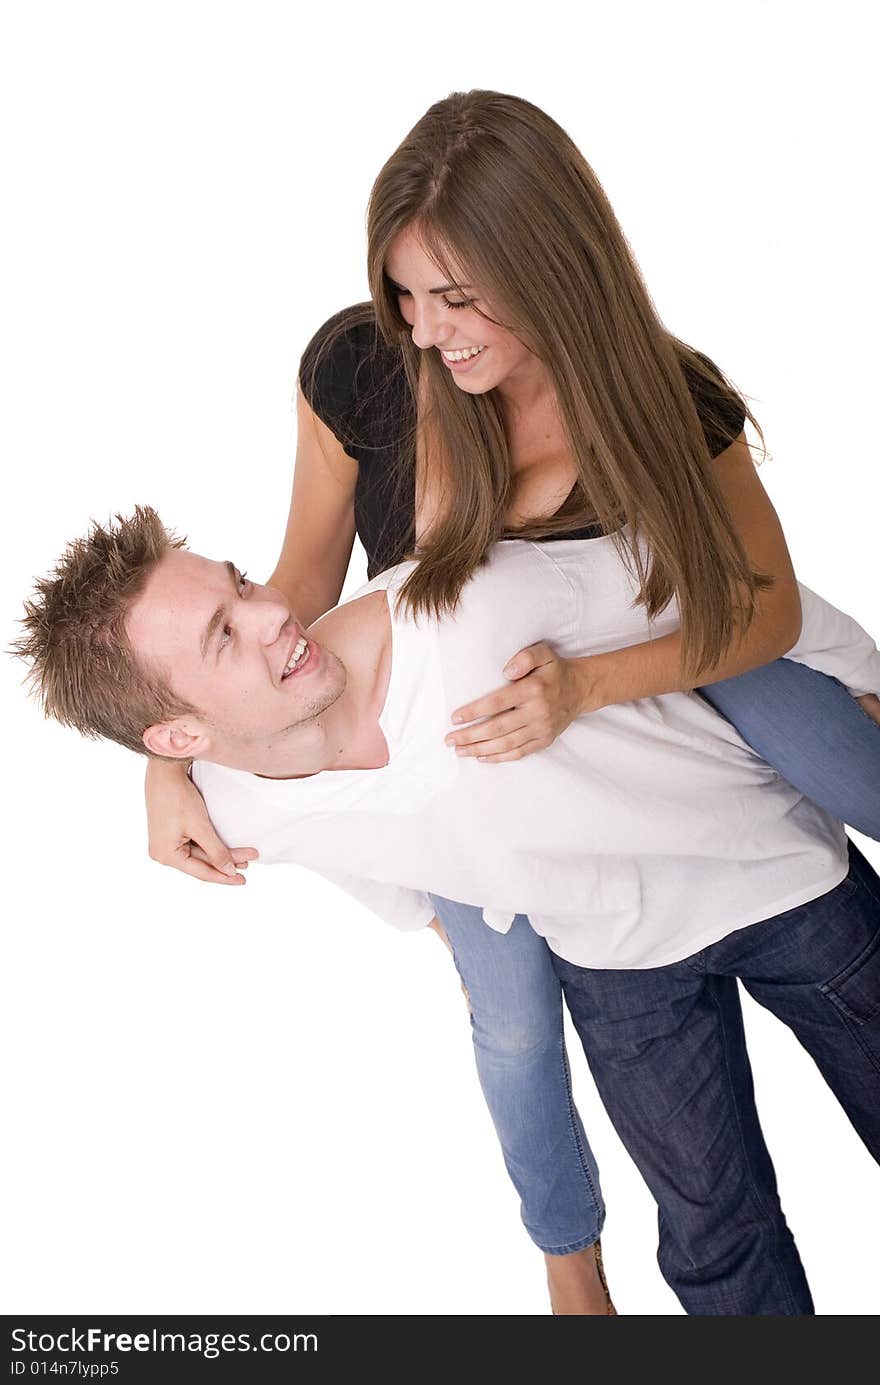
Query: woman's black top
{"x": 361, "y": 393}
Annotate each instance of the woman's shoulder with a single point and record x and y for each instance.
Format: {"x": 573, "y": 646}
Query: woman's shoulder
{"x": 352, "y": 329}
{"x": 720, "y": 407}
{"x": 347, "y": 370}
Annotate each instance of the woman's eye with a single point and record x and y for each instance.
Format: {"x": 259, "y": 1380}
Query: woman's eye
{"x": 463, "y": 303}
{"x": 225, "y": 636}
{"x": 243, "y": 582}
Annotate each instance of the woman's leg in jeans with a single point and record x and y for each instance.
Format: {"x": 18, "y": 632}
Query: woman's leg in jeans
{"x": 807, "y": 726}
{"x": 516, "y": 1020}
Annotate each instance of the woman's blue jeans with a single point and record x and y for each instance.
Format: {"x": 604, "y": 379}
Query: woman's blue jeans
{"x": 803, "y": 723}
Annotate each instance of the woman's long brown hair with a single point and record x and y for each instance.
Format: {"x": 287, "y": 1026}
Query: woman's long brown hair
{"x": 491, "y": 180}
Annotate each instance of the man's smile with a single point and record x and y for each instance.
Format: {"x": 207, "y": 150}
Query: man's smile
{"x": 305, "y": 658}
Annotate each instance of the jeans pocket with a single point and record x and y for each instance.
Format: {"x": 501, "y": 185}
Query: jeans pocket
{"x": 856, "y": 990}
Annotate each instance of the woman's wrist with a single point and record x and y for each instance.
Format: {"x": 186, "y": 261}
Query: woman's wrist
{"x": 590, "y": 677}
{"x": 167, "y": 771}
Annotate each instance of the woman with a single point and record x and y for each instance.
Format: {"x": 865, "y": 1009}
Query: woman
{"x": 571, "y": 410}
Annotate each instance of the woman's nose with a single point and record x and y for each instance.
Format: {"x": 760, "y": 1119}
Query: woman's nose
{"x": 429, "y": 327}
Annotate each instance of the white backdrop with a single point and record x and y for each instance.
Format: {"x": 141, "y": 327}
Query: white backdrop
{"x": 262, "y": 1099}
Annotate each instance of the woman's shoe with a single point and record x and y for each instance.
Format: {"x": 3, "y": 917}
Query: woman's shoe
{"x": 600, "y": 1270}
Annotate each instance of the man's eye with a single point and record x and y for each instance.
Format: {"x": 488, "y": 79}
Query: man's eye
{"x": 242, "y": 581}
{"x": 225, "y": 636}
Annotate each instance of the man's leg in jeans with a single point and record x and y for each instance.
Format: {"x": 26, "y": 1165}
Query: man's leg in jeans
{"x": 667, "y": 1050}
{"x": 817, "y": 969}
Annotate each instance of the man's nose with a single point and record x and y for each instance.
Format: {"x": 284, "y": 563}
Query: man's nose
{"x": 271, "y": 615}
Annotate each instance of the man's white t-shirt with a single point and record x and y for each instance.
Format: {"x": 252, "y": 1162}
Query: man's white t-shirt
{"x": 645, "y": 832}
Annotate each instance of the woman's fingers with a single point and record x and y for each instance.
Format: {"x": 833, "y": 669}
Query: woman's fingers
{"x": 241, "y": 855}
{"x": 181, "y": 834}
{"x": 216, "y": 853}
{"x": 526, "y": 748}
{"x": 501, "y": 700}
{"x": 871, "y": 705}
{"x": 201, "y": 870}
{"x": 504, "y": 725}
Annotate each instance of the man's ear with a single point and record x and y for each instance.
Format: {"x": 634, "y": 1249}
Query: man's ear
{"x": 168, "y": 738}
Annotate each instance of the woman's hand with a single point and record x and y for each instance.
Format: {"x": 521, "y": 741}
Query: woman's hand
{"x": 180, "y": 831}
{"x": 870, "y": 704}
{"x": 544, "y": 696}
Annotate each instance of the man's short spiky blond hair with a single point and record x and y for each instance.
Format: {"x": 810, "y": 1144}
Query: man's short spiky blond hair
{"x": 82, "y": 667}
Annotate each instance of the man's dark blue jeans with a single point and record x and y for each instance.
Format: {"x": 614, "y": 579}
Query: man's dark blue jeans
{"x": 667, "y": 1050}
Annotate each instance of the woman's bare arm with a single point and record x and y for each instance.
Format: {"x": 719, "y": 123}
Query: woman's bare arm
{"x": 320, "y": 530}
{"x": 546, "y": 692}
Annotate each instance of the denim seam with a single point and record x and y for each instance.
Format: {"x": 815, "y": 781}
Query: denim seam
{"x": 762, "y": 1211}
{"x": 581, "y": 1243}
{"x": 831, "y": 988}
{"x": 597, "y": 1205}
{"x": 696, "y": 962}
{"x": 571, "y": 1247}
{"x": 851, "y": 1023}
{"x": 868, "y": 882}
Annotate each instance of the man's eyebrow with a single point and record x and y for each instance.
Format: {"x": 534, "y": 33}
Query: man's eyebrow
{"x": 220, "y": 613}
{"x": 444, "y": 288}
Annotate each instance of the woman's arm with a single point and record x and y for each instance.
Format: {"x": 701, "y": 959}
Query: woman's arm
{"x": 547, "y": 692}
{"x": 654, "y": 666}
{"x": 320, "y": 529}
{"x": 310, "y": 572}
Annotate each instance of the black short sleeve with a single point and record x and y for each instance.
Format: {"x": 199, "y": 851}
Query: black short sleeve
{"x": 327, "y": 370}
{"x": 354, "y": 382}
{"x": 721, "y": 417}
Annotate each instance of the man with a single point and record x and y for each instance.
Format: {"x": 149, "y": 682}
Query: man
{"x": 658, "y": 855}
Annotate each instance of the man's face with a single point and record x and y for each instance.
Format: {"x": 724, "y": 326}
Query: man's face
{"x": 225, "y": 646}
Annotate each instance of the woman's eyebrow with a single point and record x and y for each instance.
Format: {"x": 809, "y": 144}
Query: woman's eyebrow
{"x": 444, "y": 288}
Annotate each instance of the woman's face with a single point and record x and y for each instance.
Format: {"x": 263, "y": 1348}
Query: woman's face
{"x": 442, "y": 320}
